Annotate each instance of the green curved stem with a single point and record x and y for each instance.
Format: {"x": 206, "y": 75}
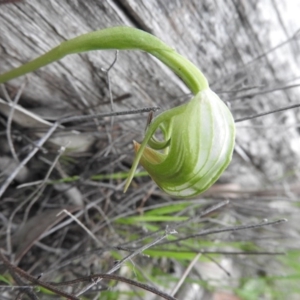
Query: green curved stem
{"x": 120, "y": 38}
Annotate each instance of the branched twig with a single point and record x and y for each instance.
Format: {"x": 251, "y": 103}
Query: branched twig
{"x": 183, "y": 223}
{"x": 130, "y": 256}
{"x": 204, "y": 252}
{"x": 23, "y": 288}
{"x": 96, "y": 277}
{"x": 33, "y": 280}
{"x": 80, "y": 224}
{"x": 227, "y": 229}
{"x": 109, "y": 114}
{"x": 267, "y": 113}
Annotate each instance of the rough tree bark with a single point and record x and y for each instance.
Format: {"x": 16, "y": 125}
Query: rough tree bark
{"x": 231, "y": 41}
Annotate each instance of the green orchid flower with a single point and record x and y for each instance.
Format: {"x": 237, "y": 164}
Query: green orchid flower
{"x": 197, "y": 146}
{"x": 198, "y": 137}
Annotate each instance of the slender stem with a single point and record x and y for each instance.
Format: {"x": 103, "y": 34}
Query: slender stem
{"x": 120, "y": 38}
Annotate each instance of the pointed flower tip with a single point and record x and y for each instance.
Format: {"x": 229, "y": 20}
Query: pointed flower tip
{"x": 136, "y": 146}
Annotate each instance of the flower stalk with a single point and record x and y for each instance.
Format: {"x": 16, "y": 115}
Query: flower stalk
{"x": 198, "y": 137}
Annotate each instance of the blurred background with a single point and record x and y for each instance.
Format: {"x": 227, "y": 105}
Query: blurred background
{"x": 249, "y": 51}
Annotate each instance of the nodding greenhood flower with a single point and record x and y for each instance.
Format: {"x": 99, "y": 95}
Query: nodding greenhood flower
{"x": 197, "y": 146}
{"x": 198, "y": 136}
